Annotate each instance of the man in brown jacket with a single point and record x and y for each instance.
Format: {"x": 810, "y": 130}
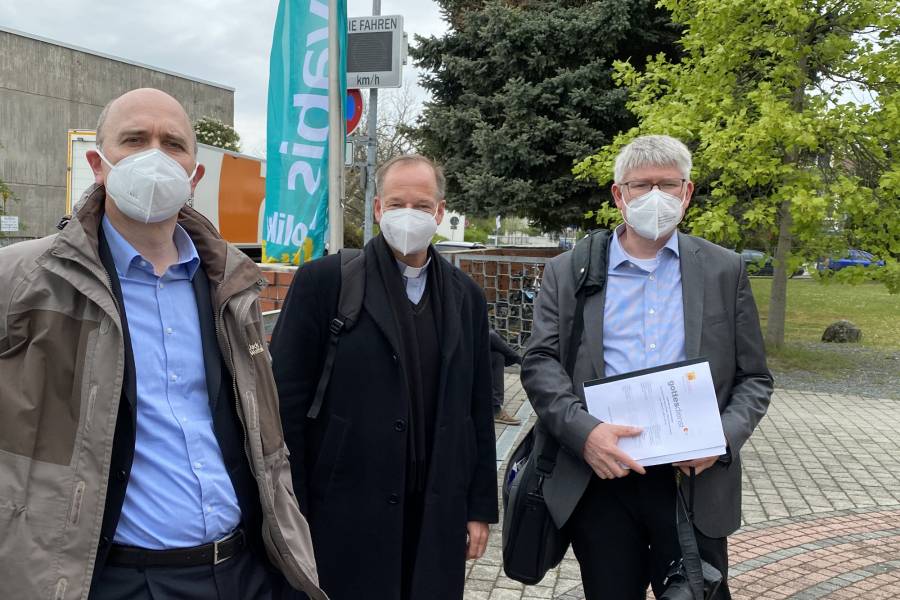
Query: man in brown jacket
{"x": 141, "y": 449}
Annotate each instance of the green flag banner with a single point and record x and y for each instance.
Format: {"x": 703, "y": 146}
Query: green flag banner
{"x": 296, "y": 215}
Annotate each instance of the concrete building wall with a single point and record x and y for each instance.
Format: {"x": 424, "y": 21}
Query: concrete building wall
{"x": 45, "y": 90}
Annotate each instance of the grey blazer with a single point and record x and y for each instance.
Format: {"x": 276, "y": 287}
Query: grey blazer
{"x": 721, "y": 324}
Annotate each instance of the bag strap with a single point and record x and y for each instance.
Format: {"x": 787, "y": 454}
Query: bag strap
{"x": 546, "y": 461}
{"x": 684, "y": 521}
{"x": 589, "y": 263}
{"x": 350, "y": 300}
{"x": 589, "y": 276}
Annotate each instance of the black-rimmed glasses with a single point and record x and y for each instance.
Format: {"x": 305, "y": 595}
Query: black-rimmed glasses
{"x": 641, "y": 187}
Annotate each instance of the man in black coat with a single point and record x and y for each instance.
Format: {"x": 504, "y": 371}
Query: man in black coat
{"x": 397, "y": 473}
{"x": 501, "y": 356}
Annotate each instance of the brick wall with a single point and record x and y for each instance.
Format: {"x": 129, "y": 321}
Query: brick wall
{"x": 279, "y": 278}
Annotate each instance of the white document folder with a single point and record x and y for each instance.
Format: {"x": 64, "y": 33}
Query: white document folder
{"x": 675, "y": 404}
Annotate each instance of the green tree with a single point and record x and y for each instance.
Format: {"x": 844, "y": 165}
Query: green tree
{"x": 521, "y": 89}
{"x": 5, "y": 195}
{"x": 213, "y": 132}
{"x": 791, "y": 108}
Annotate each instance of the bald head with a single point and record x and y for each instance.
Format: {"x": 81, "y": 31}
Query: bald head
{"x": 139, "y": 121}
{"x": 146, "y": 104}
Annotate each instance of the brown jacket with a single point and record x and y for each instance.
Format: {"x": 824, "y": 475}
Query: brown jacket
{"x": 61, "y": 371}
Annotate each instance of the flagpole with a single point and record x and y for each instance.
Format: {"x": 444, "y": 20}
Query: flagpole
{"x": 335, "y": 134}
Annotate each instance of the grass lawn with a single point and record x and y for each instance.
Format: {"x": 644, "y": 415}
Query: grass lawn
{"x": 812, "y": 306}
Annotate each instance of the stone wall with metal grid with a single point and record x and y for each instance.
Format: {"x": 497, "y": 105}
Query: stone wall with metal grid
{"x": 510, "y": 278}
{"x": 510, "y": 285}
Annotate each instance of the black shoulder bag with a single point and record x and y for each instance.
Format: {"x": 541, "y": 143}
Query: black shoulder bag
{"x": 532, "y": 543}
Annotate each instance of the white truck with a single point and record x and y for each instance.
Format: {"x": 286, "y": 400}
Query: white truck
{"x": 231, "y": 194}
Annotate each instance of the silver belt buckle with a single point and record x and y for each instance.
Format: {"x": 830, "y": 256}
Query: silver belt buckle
{"x": 216, "y": 559}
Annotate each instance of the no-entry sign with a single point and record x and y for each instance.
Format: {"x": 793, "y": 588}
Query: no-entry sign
{"x": 353, "y": 109}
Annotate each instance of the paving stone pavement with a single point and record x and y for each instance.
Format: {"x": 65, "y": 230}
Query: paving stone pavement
{"x": 821, "y": 506}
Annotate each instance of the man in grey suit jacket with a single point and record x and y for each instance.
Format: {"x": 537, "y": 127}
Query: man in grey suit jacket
{"x": 668, "y": 297}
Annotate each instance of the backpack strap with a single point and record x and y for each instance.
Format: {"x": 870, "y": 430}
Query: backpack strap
{"x": 350, "y": 301}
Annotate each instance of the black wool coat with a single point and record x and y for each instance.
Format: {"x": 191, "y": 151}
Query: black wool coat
{"x": 349, "y": 465}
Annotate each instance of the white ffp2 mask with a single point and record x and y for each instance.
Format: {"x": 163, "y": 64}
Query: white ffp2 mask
{"x": 408, "y": 230}
{"x": 149, "y": 186}
{"x": 654, "y": 215}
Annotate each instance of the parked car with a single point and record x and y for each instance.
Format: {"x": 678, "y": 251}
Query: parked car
{"x": 450, "y": 245}
{"x": 851, "y": 258}
{"x": 757, "y": 262}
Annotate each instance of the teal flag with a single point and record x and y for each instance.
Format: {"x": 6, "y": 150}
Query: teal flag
{"x": 296, "y": 217}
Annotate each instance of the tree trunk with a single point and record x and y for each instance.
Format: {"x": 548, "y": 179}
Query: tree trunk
{"x": 778, "y": 295}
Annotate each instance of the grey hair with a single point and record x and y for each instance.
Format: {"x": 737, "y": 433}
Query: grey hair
{"x": 101, "y": 121}
{"x": 439, "y": 178}
{"x": 653, "y": 151}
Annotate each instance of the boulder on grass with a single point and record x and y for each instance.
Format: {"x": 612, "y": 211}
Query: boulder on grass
{"x": 842, "y": 332}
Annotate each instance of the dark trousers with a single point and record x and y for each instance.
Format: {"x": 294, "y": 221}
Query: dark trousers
{"x": 624, "y": 537}
{"x": 242, "y": 577}
{"x": 497, "y": 364}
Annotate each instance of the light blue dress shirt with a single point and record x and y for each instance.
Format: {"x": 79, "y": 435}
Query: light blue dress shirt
{"x": 179, "y": 493}
{"x": 643, "y": 316}
{"x": 415, "y": 279}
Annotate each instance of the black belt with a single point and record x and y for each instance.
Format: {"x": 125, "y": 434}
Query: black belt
{"x": 206, "y": 554}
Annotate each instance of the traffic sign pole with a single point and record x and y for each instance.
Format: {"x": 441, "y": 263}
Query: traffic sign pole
{"x": 371, "y": 149}
{"x": 371, "y": 156}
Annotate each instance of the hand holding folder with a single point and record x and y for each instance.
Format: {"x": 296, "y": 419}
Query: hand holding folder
{"x": 602, "y": 453}
{"x": 675, "y": 406}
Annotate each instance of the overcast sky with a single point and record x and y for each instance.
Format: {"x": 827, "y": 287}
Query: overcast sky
{"x": 223, "y": 41}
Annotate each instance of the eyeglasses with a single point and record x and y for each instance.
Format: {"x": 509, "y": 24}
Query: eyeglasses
{"x": 669, "y": 186}
{"x": 431, "y": 210}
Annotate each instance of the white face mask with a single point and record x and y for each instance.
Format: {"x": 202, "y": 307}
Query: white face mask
{"x": 654, "y": 215}
{"x": 149, "y": 186}
{"x": 408, "y": 230}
